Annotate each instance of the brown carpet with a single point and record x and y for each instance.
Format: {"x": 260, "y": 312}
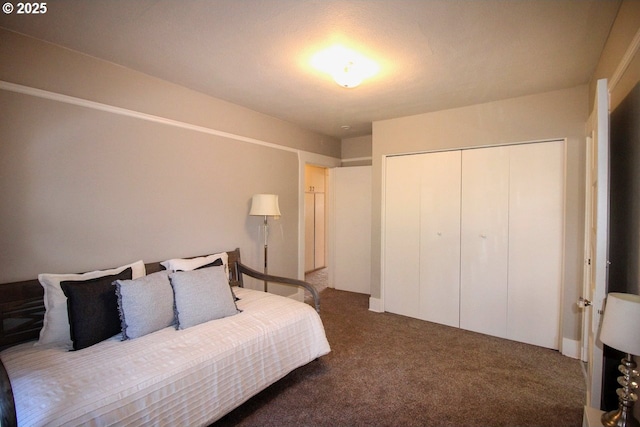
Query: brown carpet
{"x": 390, "y": 370}
{"x": 319, "y": 279}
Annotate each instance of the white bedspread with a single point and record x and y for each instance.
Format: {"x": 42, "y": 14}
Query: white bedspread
{"x": 168, "y": 378}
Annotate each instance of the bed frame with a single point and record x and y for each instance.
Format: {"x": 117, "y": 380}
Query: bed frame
{"x": 22, "y": 313}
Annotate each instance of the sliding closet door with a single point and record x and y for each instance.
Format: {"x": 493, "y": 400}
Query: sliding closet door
{"x": 484, "y": 240}
{"x": 474, "y": 239}
{"x": 535, "y": 242}
{"x": 440, "y": 238}
{"x": 402, "y": 235}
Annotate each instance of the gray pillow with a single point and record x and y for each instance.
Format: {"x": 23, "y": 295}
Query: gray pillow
{"x": 201, "y": 295}
{"x": 145, "y": 304}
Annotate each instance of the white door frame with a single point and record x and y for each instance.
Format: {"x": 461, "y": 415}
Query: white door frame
{"x": 586, "y": 271}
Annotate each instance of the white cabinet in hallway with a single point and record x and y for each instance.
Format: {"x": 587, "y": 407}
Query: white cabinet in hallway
{"x": 315, "y": 217}
{"x": 474, "y": 238}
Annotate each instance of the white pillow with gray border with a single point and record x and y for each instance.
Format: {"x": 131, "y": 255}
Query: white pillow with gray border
{"x": 188, "y": 264}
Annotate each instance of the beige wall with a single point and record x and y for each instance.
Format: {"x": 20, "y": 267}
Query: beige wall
{"x": 554, "y": 115}
{"x": 37, "y": 64}
{"x": 146, "y": 171}
{"x": 620, "y": 58}
{"x": 356, "y": 151}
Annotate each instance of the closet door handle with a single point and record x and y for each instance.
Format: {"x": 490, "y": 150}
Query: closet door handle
{"x": 484, "y": 236}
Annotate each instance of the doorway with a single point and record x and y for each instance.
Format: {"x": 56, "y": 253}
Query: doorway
{"x": 315, "y": 218}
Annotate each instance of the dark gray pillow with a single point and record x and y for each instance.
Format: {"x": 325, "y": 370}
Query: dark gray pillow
{"x": 92, "y": 307}
{"x": 215, "y": 263}
{"x": 201, "y": 295}
{"x": 145, "y": 304}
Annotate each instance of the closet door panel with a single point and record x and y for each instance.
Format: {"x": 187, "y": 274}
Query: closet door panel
{"x": 535, "y": 242}
{"x": 440, "y": 238}
{"x": 402, "y": 235}
{"x": 484, "y": 240}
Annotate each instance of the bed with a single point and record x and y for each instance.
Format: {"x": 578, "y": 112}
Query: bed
{"x": 191, "y": 376}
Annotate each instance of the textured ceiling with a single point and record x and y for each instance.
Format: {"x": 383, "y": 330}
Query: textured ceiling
{"x": 434, "y": 54}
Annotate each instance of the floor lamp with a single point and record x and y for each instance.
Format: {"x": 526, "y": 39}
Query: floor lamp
{"x": 265, "y": 205}
{"x": 621, "y": 330}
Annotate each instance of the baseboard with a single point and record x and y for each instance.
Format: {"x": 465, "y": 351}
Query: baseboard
{"x": 375, "y": 304}
{"x": 571, "y": 348}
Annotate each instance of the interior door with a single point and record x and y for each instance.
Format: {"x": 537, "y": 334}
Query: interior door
{"x": 351, "y": 260}
{"x": 586, "y": 270}
{"x": 597, "y": 239}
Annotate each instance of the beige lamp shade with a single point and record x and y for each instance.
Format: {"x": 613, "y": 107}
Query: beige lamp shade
{"x": 621, "y": 323}
{"x": 265, "y": 205}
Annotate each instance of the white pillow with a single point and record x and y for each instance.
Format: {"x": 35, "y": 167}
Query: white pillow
{"x": 183, "y": 264}
{"x": 55, "y": 328}
{"x": 201, "y": 295}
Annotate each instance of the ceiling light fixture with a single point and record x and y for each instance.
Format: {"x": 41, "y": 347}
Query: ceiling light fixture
{"x": 347, "y": 67}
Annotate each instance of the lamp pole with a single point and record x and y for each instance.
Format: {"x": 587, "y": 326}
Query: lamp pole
{"x": 265, "y": 205}
{"x": 266, "y": 236}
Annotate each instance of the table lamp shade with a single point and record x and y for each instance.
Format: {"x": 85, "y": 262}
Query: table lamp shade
{"x": 621, "y": 323}
{"x": 265, "y": 205}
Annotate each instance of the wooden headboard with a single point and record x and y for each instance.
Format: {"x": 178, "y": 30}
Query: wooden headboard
{"x": 22, "y": 304}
